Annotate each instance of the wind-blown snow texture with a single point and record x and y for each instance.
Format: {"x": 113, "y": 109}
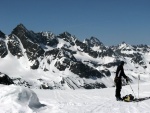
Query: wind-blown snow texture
{"x": 15, "y": 99}
{"x": 44, "y": 60}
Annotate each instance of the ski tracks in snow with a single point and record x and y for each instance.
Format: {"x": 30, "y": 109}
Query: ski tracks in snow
{"x": 91, "y": 101}
{"x": 112, "y": 106}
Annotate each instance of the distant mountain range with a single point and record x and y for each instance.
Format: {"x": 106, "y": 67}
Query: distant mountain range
{"x": 48, "y": 61}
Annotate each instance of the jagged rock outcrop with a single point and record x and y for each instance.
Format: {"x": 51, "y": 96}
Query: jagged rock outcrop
{"x": 93, "y": 41}
{"x": 14, "y": 46}
{"x": 5, "y": 79}
{"x": 3, "y": 48}
{"x": 85, "y": 71}
{"x": 67, "y": 37}
{"x": 30, "y": 42}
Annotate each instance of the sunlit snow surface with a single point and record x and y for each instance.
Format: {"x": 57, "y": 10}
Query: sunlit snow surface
{"x": 16, "y": 99}
{"x": 95, "y": 101}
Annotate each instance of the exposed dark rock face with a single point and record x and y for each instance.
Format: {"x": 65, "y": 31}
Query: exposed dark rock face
{"x": 107, "y": 52}
{"x": 85, "y": 71}
{"x": 29, "y": 41}
{"x": 86, "y": 49}
{"x": 67, "y": 37}
{"x": 35, "y": 65}
{"x": 106, "y": 72}
{"x": 94, "y": 86}
{"x": 21, "y": 82}
{"x": 94, "y": 42}
{"x": 112, "y": 64}
{"x": 47, "y": 38}
{"x": 53, "y": 52}
{"x": 14, "y": 46}
{"x": 65, "y": 58}
{"x": 4, "y": 79}
{"x": 3, "y": 49}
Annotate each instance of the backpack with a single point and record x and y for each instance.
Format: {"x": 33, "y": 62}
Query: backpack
{"x": 128, "y": 98}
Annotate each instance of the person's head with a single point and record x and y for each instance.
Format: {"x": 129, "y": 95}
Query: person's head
{"x": 122, "y": 63}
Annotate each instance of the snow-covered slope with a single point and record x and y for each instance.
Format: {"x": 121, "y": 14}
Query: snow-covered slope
{"x": 47, "y": 61}
{"x": 16, "y": 99}
{"x": 95, "y": 101}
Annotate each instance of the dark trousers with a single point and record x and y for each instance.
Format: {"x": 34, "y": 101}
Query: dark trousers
{"x": 118, "y": 89}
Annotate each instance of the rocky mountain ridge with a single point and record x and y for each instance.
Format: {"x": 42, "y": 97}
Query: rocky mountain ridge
{"x": 64, "y": 62}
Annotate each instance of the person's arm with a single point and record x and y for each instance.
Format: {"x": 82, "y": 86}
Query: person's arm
{"x": 124, "y": 75}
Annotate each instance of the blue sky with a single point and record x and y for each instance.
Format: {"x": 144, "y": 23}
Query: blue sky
{"x": 111, "y": 21}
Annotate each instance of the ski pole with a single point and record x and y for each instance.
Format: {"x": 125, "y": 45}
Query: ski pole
{"x": 138, "y": 85}
{"x": 132, "y": 90}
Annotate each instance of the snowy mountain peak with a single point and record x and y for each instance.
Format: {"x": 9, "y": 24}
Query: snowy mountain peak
{"x": 65, "y": 34}
{"x": 93, "y": 41}
{"x": 48, "y": 34}
{"x": 123, "y": 45}
{"x": 67, "y": 37}
{"x": 21, "y": 26}
{"x": 20, "y": 30}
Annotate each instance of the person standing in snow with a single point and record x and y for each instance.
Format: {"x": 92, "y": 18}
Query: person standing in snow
{"x": 118, "y": 80}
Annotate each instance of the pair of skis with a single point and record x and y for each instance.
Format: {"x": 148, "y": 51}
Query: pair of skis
{"x": 138, "y": 99}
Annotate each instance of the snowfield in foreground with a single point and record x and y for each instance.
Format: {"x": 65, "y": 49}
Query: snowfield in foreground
{"x": 15, "y": 99}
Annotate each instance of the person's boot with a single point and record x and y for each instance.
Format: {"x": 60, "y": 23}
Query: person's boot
{"x": 119, "y": 99}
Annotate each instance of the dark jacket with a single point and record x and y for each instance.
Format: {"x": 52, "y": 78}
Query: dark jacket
{"x": 120, "y": 72}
